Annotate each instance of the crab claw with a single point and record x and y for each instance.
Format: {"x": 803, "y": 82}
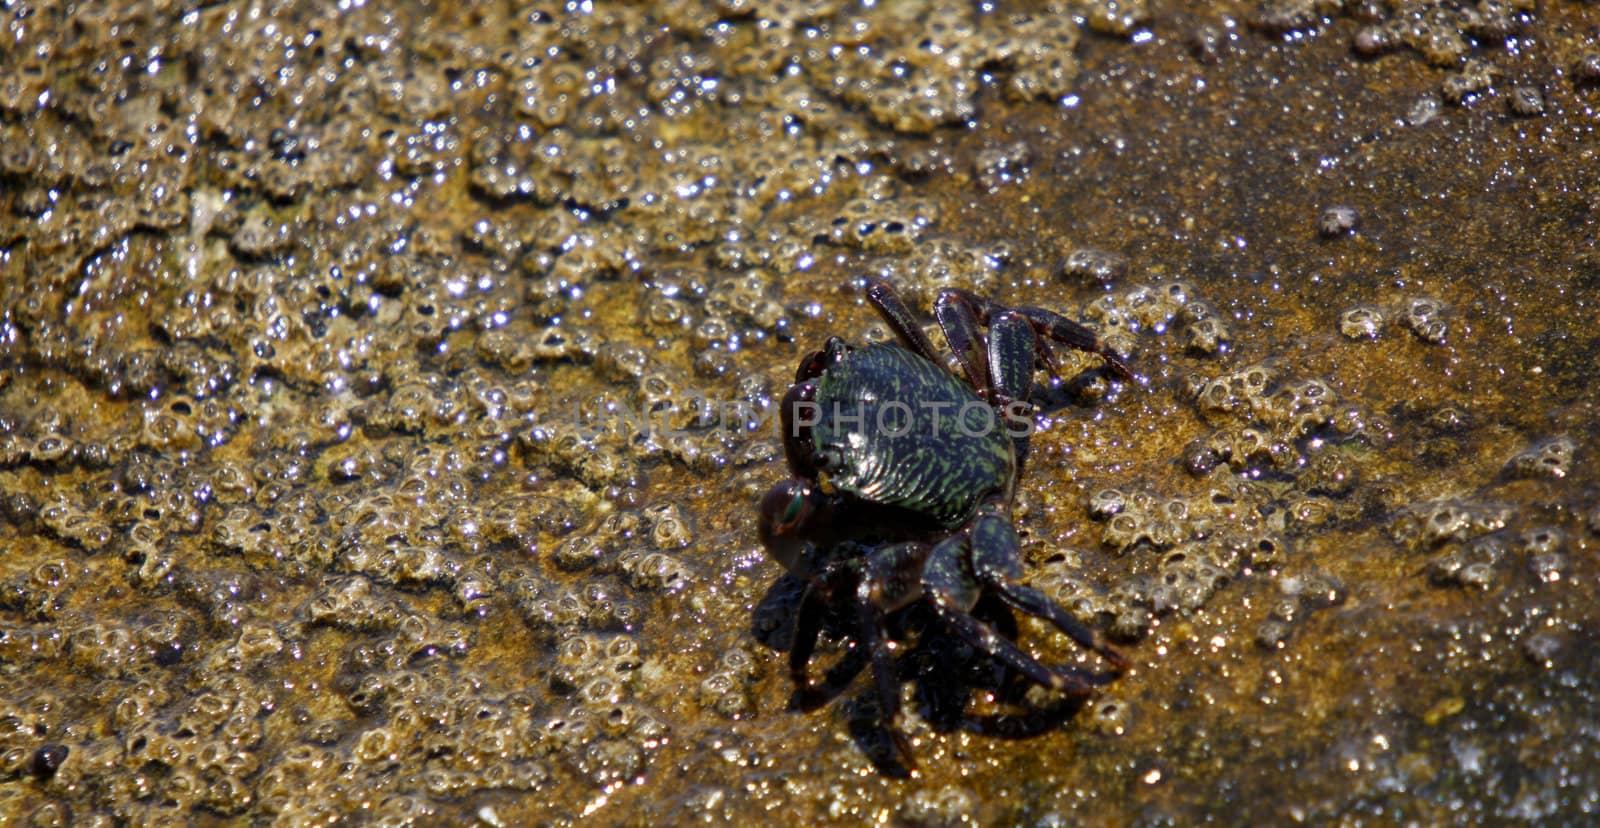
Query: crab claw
{"x": 786, "y": 510}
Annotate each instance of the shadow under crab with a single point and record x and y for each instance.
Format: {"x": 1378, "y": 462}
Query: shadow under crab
{"x": 903, "y": 481}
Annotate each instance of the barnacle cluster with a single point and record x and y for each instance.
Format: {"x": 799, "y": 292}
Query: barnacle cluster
{"x": 352, "y": 360}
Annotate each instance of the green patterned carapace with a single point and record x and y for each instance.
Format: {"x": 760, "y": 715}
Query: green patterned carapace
{"x": 902, "y": 431}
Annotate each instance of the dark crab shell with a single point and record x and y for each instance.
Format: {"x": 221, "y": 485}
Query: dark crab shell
{"x": 900, "y": 431}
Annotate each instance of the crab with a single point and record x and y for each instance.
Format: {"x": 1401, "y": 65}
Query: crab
{"x": 903, "y": 475}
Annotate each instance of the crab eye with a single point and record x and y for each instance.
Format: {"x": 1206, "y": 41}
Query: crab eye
{"x": 795, "y": 510}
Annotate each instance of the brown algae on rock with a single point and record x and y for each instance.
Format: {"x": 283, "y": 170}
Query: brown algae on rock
{"x": 385, "y": 394}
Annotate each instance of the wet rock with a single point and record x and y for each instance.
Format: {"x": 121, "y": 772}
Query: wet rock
{"x": 319, "y": 334}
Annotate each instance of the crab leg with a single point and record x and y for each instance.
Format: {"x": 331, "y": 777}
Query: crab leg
{"x": 959, "y": 322}
{"x": 960, "y": 313}
{"x": 808, "y": 625}
{"x": 1011, "y": 353}
{"x": 890, "y": 583}
{"x": 1050, "y": 327}
{"x": 899, "y": 317}
{"x": 996, "y": 562}
{"x": 1053, "y": 327}
{"x": 953, "y": 590}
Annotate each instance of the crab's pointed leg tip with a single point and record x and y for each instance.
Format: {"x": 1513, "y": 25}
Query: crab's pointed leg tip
{"x": 902, "y": 753}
